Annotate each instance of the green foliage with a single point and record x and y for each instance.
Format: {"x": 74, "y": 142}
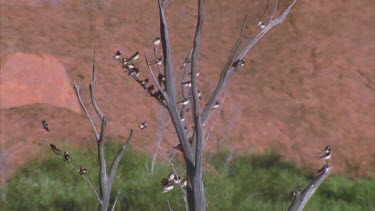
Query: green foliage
{"x": 256, "y": 182}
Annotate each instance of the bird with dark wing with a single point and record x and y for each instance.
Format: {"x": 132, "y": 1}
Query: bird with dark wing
{"x": 66, "y": 156}
{"x": 45, "y": 125}
{"x": 82, "y": 170}
{"x": 55, "y": 149}
{"x": 134, "y": 57}
{"x": 323, "y": 169}
{"x": 143, "y": 125}
{"x": 117, "y": 55}
{"x": 168, "y": 183}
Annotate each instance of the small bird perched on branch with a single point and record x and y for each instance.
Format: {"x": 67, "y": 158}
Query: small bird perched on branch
{"x": 156, "y": 41}
{"x": 66, "y": 156}
{"x": 150, "y": 88}
{"x": 168, "y": 183}
{"x": 216, "y": 105}
{"x": 326, "y": 156}
{"x": 55, "y": 149}
{"x": 134, "y": 72}
{"x": 134, "y": 57}
{"x": 145, "y": 82}
{"x": 45, "y": 125}
{"x": 117, "y": 55}
{"x": 328, "y": 153}
{"x": 157, "y": 61}
{"x": 184, "y": 102}
{"x": 327, "y": 149}
{"x": 161, "y": 79}
{"x": 129, "y": 65}
{"x": 297, "y": 191}
{"x": 323, "y": 169}
{"x": 187, "y": 83}
{"x": 82, "y": 170}
{"x": 183, "y": 183}
{"x": 125, "y": 61}
{"x": 179, "y": 146}
{"x": 168, "y": 187}
{"x": 261, "y": 25}
{"x": 239, "y": 63}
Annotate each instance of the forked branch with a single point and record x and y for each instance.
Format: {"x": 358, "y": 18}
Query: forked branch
{"x": 105, "y": 181}
{"x": 170, "y": 86}
{"x": 234, "y": 57}
{"x": 92, "y": 90}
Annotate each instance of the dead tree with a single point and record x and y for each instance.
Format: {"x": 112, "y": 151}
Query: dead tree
{"x": 164, "y": 90}
{"x": 193, "y": 153}
{"x": 106, "y": 175}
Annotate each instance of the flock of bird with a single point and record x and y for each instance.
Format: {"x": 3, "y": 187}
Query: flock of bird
{"x": 172, "y": 180}
{"x": 327, "y": 154}
{"x": 129, "y": 64}
{"x": 66, "y": 156}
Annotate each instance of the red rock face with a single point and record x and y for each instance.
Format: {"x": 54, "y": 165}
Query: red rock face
{"x": 308, "y": 83}
{"x": 28, "y": 79}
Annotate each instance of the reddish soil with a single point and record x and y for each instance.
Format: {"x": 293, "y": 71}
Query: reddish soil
{"x": 307, "y": 84}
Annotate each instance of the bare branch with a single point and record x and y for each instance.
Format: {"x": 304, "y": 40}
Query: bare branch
{"x": 117, "y": 159}
{"x": 156, "y": 57}
{"x": 301, "y": 199}
{"x": 274, "y": 10}
{"x": 75, "y": 169}
{"x": 229, "y": 68}
{"x": 224, "y": 76}
{"x": 92, "y": 187}
{"x": 77, "y": 88}
{"x": 208, "y": 133}
{"x": 186, "y": 66}
{"x": 85, "y": 177}
{"x": 165, "y": 95}
{"x": 271, "y": 24}
{"x": 169, "y": 205}
{"x": 197, "y": 138}
{"x": 114, "y": 203}
{"x": 194, "y": 62}
{"x": 92, "y": 90}
{"x": 166, "y": 52}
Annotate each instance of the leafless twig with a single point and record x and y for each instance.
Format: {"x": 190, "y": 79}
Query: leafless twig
{"x": 77, "y": 88}
{"x": 114, "y": 203}
{"x": 105, "y": 179}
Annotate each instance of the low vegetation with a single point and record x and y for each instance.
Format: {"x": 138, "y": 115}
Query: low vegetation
{"x": 256, "y": 182}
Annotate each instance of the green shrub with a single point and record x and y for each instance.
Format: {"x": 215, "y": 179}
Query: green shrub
{"x": 256, "y": 182}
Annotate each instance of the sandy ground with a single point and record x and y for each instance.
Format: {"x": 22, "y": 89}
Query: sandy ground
{"x": 307, "y": 84}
